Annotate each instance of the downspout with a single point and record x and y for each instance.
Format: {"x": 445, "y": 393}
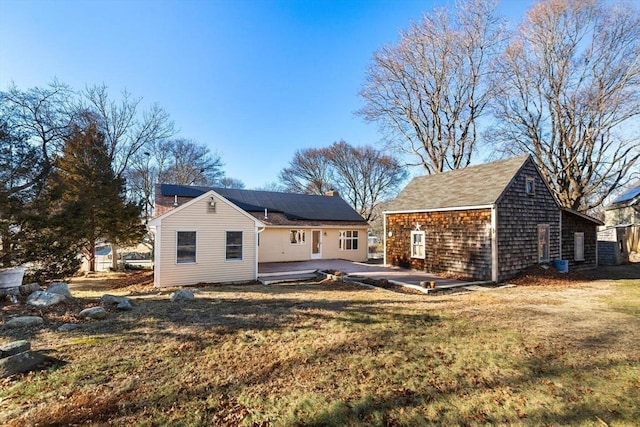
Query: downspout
{"x": 560, "y": 254}
{"x": 258, "y": 231}
{"x": 494, "y": 244}
{"x": 155, "y": 230}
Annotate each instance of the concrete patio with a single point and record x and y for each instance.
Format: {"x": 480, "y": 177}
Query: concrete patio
{"x": 290, "y": 271}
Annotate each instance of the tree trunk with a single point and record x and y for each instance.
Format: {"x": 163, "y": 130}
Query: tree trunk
{"x": 92, "y": 256}
{"x": 114, "y": 256}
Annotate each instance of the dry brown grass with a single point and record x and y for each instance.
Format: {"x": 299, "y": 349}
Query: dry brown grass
{"x": 331, "y": 353}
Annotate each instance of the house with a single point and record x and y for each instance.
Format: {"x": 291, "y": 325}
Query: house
{"x": 206, "y": 234}
{"x": 485, "y": 222}
{"x": 623, "y": 213}
{"x": 624, "y": 209}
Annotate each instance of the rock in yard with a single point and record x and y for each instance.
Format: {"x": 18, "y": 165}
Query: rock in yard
{"x": 44, "y": 299}
{"x": 124, "y": 305}
{"x": 19, "y": 322}
{"x": 182, "y": 295}
{"x": 28, "y": 288}
{"x": 59, "y": 288}
{"x": 121, "y": 303}
{"x": 67, "y": 327}
{"x": 14, "y": 347}
{"x": 20, "y": 362}
{"x": 93, "y": 313}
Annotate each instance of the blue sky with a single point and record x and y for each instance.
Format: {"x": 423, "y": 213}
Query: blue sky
{"x": 254, "y": 80}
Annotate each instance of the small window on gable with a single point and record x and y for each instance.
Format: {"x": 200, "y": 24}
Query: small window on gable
{"x": 578, "y": 246}
{"x": 417, "y": 244}
{"x": 530, "y": 186}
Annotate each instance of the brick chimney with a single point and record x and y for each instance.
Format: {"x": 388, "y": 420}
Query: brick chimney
{"x": 332, "y": 193}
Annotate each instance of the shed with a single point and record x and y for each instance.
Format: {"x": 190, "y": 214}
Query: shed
{"x": 485, "y": 222}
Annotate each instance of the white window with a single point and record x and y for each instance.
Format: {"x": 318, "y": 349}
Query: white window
{"x": 417, "y": 244}
{"x": 186, "y": 247}
{"x": 234, "y": 246}
{"x": 348, "y": 240}
{"x": 297, "y": 237}
{"x": 543, "y": 242}
{"x": 578, "y": 246}
{"x": 530, "y": 186}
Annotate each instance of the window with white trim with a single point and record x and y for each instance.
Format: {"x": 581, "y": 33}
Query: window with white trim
{"x": 530, "y": 186}
{"x": 186, "y": 247}
{"x": 578, "y": 246}
{"x": 417, "y": 244}
{"x": 348, "y": 240}
{"x": 234, "y": 246}
{"x": 297, "y": 237}
{"x": 544, "y": 234}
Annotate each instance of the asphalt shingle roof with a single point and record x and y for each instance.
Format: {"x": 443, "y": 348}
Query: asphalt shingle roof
{"x": 473, "y": 186}
{"x": 293, "y": 206}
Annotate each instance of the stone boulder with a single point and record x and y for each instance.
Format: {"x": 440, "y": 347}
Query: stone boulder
{"x": 59, "y": 288}
{"x": 93, "y": 313}
{"x": 28, "y": 288}
{"x": 14, "y": 347}
{"x": 182, "y": 295}
{"x": 21, "y": 362}
{"x": 24, "y": 321}
{"x": 68, "y": 327}
{"x": 44, "y": 299}
{"x": 124, "y": 305}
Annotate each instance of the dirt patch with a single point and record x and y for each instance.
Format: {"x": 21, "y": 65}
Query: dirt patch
{"x": 110, "y": 281}
{"x": 544, "y": 275}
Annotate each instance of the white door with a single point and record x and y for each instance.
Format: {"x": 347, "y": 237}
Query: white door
{"x": 316, "y": 244}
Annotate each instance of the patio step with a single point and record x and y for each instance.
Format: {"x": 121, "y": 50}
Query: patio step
{"x": 287, "y": 276}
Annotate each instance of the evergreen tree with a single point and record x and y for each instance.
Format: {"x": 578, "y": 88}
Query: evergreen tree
{"x": 91, "y": 195}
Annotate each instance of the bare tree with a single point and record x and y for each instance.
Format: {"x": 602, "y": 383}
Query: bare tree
{"x": 308, "y": 173}
{"x": 176, "y": 161}
{"x": 364, "y": 176}
{"x": 228, "y": 182}
{"x": 184, "y": 161}
{"x": 572, "y": 78}
{"x": 127, "y": 130}
{"x": 42, "y": 118}
{"x": 428, "y": 92}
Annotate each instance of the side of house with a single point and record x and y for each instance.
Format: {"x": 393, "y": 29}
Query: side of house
{"x": 579, "y": 239}
{"x": 207, "y": 239}
{"x": 528, "y": 222}
{"x": 298, "y": 227}
{"x": 456, "y": 242}
{"x": 306, "y": 242}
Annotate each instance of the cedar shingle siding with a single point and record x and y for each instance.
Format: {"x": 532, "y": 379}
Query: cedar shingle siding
{"x": 456, "y": 242}
{"x": 571, "y": 224}
{"x": 519, "y": 215}
{"x": 455, "y": 211}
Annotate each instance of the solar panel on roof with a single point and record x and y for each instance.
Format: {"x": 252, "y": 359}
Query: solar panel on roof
{"x": 294, "y": 206}
{"x": 627, "y": 196}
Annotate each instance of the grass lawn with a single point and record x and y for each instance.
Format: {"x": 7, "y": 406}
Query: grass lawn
{"x": 329, "y": 353}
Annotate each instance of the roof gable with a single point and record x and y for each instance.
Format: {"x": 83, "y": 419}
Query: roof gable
{"x": 158, "y": 220}
{"x": 480, "y": 185}
{"x": 293, "y": 206}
